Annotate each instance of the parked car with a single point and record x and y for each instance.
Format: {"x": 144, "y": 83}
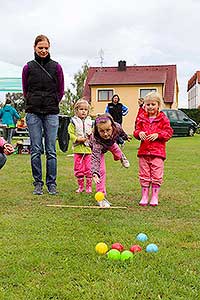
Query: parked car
{"x": 180, "y": 122}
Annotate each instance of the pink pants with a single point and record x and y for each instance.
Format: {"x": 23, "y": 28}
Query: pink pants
{"x": 117, "y": 155}
{"x": 82, "y": 165}
{"x": 151, "y": 170}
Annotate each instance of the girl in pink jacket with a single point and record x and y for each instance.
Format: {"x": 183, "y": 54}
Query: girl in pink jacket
{"x": 153, "y": 129}
{"x": 5, "y": 149}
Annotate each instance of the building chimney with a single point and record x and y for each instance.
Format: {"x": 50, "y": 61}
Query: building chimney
{"x": 122, "y": 65}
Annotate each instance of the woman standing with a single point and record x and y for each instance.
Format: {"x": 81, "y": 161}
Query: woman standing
{"x": 43, "y": 89}
{"x": 8, "y": 116}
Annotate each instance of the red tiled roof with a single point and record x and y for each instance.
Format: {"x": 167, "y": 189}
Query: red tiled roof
{"x": 192, "y": 81}
{"x": 164, "y": 74}
{"x": 131, "y": 77}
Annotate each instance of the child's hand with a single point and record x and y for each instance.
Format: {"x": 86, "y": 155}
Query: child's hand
{"x": 129, "y": 138}
{"x": 96, "y": 178}
{"x": 152, "y": 137}
{"x": 81, "y": 139}
{"x": 142, "y": 135}
{"x": 8, "y": 149}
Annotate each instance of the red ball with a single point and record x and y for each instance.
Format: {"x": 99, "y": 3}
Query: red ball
{"x": 135, "y": 248}
{"x": 118, "y": 247}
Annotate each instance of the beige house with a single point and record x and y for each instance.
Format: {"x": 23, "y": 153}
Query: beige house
{"x": 130, "y": 83}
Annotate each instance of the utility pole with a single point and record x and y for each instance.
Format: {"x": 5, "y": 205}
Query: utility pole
{"x": 101, "y": 55}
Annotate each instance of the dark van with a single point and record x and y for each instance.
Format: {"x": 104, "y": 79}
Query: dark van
{"x": 180, "y": 122}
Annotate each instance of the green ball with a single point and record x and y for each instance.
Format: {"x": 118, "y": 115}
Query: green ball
{"x": 114, "y": 254}
{"x": 125, "y": 255}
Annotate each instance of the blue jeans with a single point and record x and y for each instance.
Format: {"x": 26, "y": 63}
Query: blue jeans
{"x": 39, "y": 126}
{"x": 2, "y": 160}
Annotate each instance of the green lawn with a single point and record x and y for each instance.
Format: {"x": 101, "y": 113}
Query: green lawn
{"x": 49, "y": 253}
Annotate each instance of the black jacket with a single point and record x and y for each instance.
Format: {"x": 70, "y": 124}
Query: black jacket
{"x": 115, "y": 110}
{"x": 42, "y": 93}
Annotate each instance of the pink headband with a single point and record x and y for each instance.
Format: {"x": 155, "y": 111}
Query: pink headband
{"x": 102, "y": 120}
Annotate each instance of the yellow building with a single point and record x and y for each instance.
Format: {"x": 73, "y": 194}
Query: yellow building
{"x": 130, "y": 83}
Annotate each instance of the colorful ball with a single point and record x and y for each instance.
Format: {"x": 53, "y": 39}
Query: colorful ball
{"x": 114, "y": 254}
{"x": 125, "y": 255}
{"x": 101, "y": 248}
{"x": 135, "y": 248}
{"x": 151, "y": 248}
{"x": 118, "y": 247}
{"x": 99, "y": 196}
{"x": 142, "y": 237}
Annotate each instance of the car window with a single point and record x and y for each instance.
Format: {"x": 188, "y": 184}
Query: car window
{"x": 172, "y": 115}
{"x": 181, "y": 115}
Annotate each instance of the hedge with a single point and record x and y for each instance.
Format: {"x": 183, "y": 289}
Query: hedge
{"x": 193, "y": 113}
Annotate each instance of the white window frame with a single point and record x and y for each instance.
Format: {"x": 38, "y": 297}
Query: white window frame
{"x": 154, "y": 89}
{"x": 103, "y": 89}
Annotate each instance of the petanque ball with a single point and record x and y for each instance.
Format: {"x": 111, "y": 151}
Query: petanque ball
{"x": 151, "y": 248}
{"x": 125, "y": 255}
{"x": 135, "y": 248}
{"x": 99, "y": 196}
{"x": 101, "y": 248}
{"x": 142, "y": 237}
{"x": 114, "y": 254}
{"x": 118, "y": 247}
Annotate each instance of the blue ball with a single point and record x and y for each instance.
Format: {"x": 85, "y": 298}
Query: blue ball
{"x": 152, "y": 248}
{"x": 142, "y": 237}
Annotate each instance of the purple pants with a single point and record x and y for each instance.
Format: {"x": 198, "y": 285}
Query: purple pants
{"x": 151, "y": 169}
{"x": 117, "y": 155}
{"x": 82, "y": 165}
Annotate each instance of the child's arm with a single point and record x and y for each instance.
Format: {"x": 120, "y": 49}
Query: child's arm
{"x": 96, "y": 161}
{"x": 122, "y": 133}
{"x": 138, "y": 133}
{"x": 2, "y": 142}
{"x": 166, "y": 133}
{"x": 73, "y": 137}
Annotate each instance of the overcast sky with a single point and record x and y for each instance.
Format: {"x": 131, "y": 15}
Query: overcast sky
{"x": 141, "y": 32}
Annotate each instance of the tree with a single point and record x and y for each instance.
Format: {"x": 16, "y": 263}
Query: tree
{"x": 72, "y": 95}
{"x": 79, "y": 79}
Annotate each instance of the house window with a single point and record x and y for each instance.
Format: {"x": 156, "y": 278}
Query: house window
{"x": 105, "y": 95}
{"x": 144, "y": 92}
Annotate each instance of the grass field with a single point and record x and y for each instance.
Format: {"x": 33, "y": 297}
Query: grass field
{"x": 49, "y": 253}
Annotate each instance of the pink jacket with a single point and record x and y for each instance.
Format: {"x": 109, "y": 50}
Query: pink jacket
{"x": 2, "y": 142}
{"x": 160, "y": 125}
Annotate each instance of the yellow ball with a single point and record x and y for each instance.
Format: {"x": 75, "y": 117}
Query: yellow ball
{"x": 99, "y": 196}
{"x": 101, "y": 248}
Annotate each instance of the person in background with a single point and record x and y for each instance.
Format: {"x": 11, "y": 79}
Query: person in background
{"x": 8, "y": 116}
{"x": 106, "y": 133}
{"x": 43, "y": 89}
{"x": 80, "y": 130}
{"x": 153, "y": 130}
{"x": 117, "y": 110}
{"x": 5, "y": 149}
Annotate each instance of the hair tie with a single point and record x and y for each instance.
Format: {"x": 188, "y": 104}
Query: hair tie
{"x": 102, "y": 119}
